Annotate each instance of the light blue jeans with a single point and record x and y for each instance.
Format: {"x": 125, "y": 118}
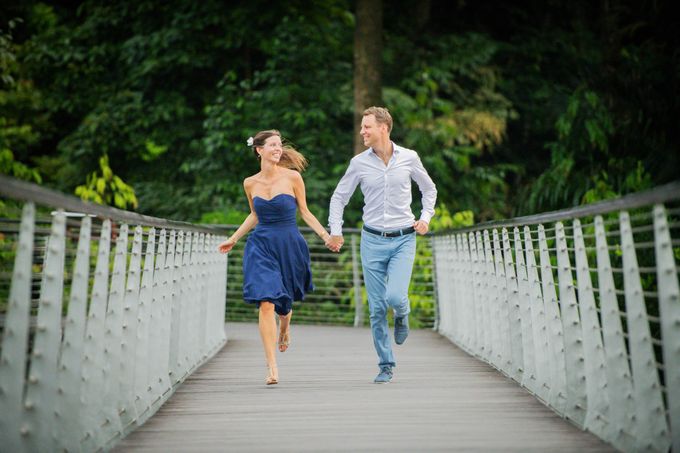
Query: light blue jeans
{"x": 387, "y": 264}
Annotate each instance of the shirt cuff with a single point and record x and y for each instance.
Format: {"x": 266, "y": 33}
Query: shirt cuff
{"x": 336, "y": 230}
{"x": 426, "y": 217}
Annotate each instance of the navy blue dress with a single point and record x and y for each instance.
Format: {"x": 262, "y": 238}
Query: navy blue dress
{"x": 276, "y": 264}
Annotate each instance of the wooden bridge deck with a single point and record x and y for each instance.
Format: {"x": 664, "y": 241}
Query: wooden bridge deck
{"x": 441, "y": 399}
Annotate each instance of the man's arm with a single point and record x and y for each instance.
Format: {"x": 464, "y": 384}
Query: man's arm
{"x": 429, "y": 195}
{"x": 343, "y": 192}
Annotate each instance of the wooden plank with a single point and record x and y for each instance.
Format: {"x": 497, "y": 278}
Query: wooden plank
{"x": 441, "y": 399}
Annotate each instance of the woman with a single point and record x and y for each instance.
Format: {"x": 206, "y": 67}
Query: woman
{"x": 276, "y": 264}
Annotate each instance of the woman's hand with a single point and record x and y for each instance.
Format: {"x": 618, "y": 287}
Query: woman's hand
{"x": 334, "y": 243}
{"x": 226, "y": 246}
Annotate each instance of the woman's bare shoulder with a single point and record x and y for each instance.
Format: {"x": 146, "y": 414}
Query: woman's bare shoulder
{"x": 250, "y": 180}
{"x": 293, "y": 174}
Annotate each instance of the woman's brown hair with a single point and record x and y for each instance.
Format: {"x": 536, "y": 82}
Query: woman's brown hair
{"x": 291, "y": 158}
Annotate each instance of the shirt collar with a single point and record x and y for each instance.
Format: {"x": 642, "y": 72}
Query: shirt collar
{"x": 395, "y": 147}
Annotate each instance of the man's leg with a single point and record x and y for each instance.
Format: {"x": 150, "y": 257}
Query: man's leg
{"x": 398, "y": 279}
{"x": 374, "y": 254}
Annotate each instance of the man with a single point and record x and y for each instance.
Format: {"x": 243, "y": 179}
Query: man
{"x": 388, "y": 243}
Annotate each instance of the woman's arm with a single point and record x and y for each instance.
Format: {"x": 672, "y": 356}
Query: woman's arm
{"x": 245, "y": 227}
{"x": 305, "y": 213}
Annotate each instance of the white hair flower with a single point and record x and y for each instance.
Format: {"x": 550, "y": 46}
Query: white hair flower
{"x": 249, "y": 142}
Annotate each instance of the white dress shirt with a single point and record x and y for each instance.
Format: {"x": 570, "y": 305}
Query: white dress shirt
{"x": 386, "y": 189}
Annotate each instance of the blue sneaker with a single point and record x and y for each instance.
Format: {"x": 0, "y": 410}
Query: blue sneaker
{"x": 384, "y": 376}
{"x": 400, "y": 329}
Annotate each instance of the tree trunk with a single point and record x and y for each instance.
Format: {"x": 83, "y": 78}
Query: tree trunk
{"x": 368, "y": 46}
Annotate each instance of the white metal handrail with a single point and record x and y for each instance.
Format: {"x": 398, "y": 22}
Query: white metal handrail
{"x": 121, "y": 318}
{"x": 565, "y": 310}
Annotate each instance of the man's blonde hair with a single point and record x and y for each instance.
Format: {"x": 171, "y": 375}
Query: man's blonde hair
{"x": 382, "y": 115}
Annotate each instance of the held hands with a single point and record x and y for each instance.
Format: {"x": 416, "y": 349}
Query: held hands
{"x": 334, "y": 243}
{"x": 226, "y": 246}
{"x": 421, "y": 227}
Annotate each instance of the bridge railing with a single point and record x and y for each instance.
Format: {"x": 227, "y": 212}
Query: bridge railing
{"x": 103, "y": 314}
{"x": 581, "y": 307}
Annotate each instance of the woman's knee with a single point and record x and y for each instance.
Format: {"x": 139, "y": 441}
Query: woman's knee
{"x": 266, "y": 307}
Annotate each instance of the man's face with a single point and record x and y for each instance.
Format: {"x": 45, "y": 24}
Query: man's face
{"x": 371, "y": 130}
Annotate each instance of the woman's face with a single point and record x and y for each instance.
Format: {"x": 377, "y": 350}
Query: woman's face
{"x": 271, "y": 150}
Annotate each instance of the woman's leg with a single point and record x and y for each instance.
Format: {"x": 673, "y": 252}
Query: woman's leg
{"x": 267, "y": 324}
{"x": 284, "y": 331}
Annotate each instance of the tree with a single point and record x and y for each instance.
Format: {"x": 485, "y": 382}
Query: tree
{"x": 368, "y": 45}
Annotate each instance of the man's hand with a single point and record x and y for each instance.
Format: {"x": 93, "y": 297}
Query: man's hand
{"x": 334, "y": 243}
{"x": 421, "y": 227}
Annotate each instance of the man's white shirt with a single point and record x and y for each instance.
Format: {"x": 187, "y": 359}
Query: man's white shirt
{"x": 386, "y": 189}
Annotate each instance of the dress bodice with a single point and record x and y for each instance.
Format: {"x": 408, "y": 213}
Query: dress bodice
{"x": 277, "y": 211}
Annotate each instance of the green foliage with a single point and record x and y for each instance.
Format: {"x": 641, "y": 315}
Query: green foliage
{"x": 107, "y": 188}
{"x": 583, "y": 133}
{"x": 7, "y": 54}
{"x": 450, "y": 109}
{"x": 544, "y": 109}
{"x": 9, "y": 166}
{"x": 601, "y": 191}
{"x": 582, "y": 162}
{"x": 306, "y": 106}
{"x": 594, "y": 112}
{"x": 443, "y": 220}
{"x": 223, "y": 217}
{"x": 153, "y": 151}
{"x": 19, "y": 103}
